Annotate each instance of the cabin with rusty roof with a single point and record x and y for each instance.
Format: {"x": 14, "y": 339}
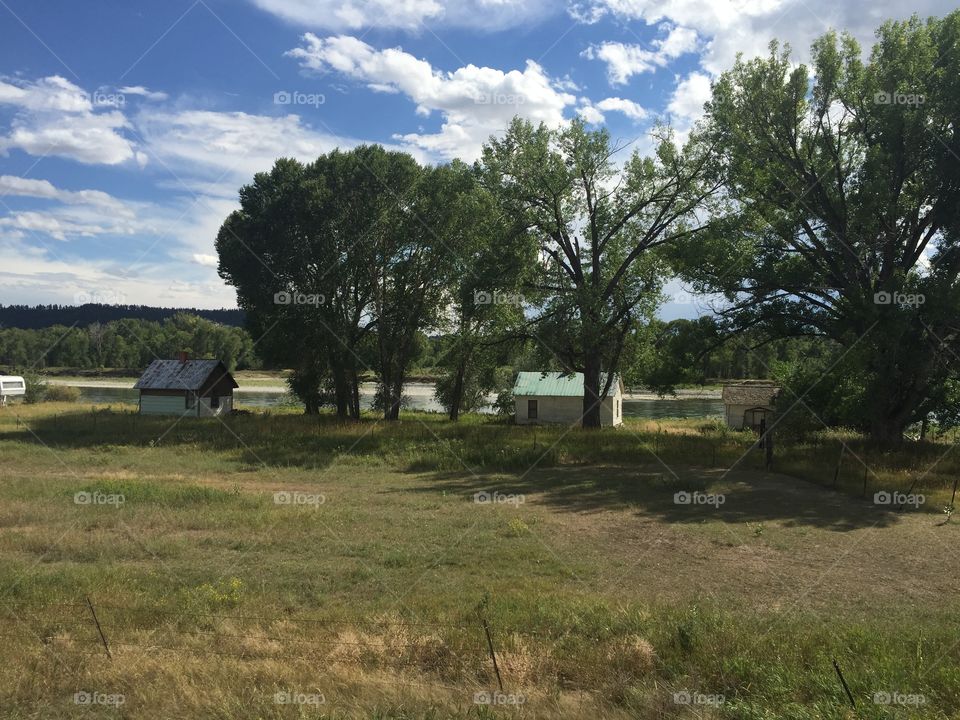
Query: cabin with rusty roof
{"x": 184, "y": 387}
{"x": 750, "y": 405}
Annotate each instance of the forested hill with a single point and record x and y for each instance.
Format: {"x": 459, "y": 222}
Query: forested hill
{"x": 42, "y": 316}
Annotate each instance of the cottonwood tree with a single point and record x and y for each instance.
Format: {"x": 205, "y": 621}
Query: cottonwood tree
{"x": 485, "y": 312}
{"x": 302, "y": 252}
{"x": 847, "y": 179}
{"x": 413, "y": 267}
{"x": 601, "y": 235}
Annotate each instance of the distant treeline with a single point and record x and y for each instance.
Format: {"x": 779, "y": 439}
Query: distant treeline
{"x": 128, "y": 343}
{"x": 44, "y": 316}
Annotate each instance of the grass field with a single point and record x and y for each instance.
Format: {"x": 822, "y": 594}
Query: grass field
{"x": 278, "y": 566}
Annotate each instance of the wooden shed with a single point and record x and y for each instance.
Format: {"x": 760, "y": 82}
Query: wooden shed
{"x": 195, "y": 388}
{"x": 551, "y": 397}
{"x": 749, "y": 405}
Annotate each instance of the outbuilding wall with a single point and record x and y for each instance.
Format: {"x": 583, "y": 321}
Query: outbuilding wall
{"x": 566, "y": 410}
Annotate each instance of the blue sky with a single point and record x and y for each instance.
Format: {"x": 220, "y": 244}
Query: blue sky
{"x": 127, "y": 127}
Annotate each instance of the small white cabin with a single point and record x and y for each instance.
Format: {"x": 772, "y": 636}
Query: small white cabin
{"x": 197, "y": 388}
{"x": 11, "y": 386}
{"x": 749, "y": 406}
{"x": 542, "y": 398}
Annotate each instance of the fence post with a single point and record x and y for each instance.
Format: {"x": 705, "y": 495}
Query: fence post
{"x": 103, "y": 638}
{"x": 493, "y": 655}
{"x": 846, "y": 688}
{"x": 836, "y": 473}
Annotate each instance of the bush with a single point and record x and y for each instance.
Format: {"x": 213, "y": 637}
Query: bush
{"x": 36, "y": 388}
{"x": 62, "y": 393}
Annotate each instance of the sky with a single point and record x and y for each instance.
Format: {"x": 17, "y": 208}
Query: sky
{"x": 127, "y": 127}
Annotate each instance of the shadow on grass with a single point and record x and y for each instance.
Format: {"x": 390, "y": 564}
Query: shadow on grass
{"x": 748, "y": 496}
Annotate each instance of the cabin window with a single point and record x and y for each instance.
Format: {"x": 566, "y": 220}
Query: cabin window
{"x": 215, "y": 402}
{"x": 532, "y": 409}
{"x": 191, "y": 401}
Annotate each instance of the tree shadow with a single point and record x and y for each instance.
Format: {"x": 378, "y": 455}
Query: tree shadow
{"x": 692, "y": 495}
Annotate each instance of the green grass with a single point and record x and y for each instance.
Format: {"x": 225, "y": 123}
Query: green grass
{"x": 604, "y": 597}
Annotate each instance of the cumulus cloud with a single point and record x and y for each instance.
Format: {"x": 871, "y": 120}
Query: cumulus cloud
{"x": 55, "y": 117}
{"x": 747, "y": 26}
{"x": 624, "y": 61}
{"x": 475, "y": 102}
{"x": 339, "y": 15}
{"x": 689, "y": 96}
{"x": 143, "y": 92}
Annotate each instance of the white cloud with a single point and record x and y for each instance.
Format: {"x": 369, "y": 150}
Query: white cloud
{"x": 56, "y": 117}
{"x": 747, "y": 26}
{"x": 229, "y": 144}
{"x": 624, "y": 61}
{"x": 143, "y": 92}
{"x": 339, "y": 15}
{"x": 206, "y": 260}
{"x": 475, "y": 102}
{"x": 590, "y": 114}
{"x": 628, "y": 107}
{"x": 686, "y": 103}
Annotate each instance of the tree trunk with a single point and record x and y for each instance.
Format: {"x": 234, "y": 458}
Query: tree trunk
{"x": 591, "y": 393}
{"x": 457, "y": 396}
{"x": 354, "y": 396}
{"x": 887, "y": 432}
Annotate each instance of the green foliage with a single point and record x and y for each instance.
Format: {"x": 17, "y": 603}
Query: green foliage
{"x": 844, "y": 177}
{"x": 36, "y": 388}
{"x": 62, "y": 393}
{"x": 131, "y": 344}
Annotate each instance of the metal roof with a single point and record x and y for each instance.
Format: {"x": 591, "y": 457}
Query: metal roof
{"x": 756, "y": 395}
{"x": 177, "y": 375}
{"x": 554, "y": 384}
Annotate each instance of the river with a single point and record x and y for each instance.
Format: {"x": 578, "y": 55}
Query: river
{"x": 421, "y": 398}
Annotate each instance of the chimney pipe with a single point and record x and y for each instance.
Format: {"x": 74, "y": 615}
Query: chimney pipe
{"x": 184, "y": 356}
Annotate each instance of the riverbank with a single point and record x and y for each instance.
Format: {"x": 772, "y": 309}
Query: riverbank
{"x": 413, "y": 389}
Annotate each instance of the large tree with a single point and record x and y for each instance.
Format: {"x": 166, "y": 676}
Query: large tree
{"x": 847, "y": 178}
{"x": 600, "y": 232}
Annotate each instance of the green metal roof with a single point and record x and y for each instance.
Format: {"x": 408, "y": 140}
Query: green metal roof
{"x": 553, "y": 384}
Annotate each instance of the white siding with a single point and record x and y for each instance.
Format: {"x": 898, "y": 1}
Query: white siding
{"x": 566, "y": 410}
{"x": 164, "y": 405}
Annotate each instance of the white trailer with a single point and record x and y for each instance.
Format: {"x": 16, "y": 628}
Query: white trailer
{"x": 11, "y": 386}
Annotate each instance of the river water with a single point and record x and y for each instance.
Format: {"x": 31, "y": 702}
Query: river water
{"x": 260, "y": 399}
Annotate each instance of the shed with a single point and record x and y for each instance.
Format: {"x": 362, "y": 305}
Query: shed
{"x": 550, "y": 397}
{"x": 196, "y": 388}
{"x": 11, "y": 386}
{"x": 749, "y": 405}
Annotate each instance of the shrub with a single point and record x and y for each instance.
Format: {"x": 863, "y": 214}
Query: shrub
{"x": 36, "y": 388}
{"x": 62, "y": 393}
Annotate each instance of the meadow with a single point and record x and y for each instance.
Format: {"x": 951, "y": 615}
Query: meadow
{"x": 280, "y": 566}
